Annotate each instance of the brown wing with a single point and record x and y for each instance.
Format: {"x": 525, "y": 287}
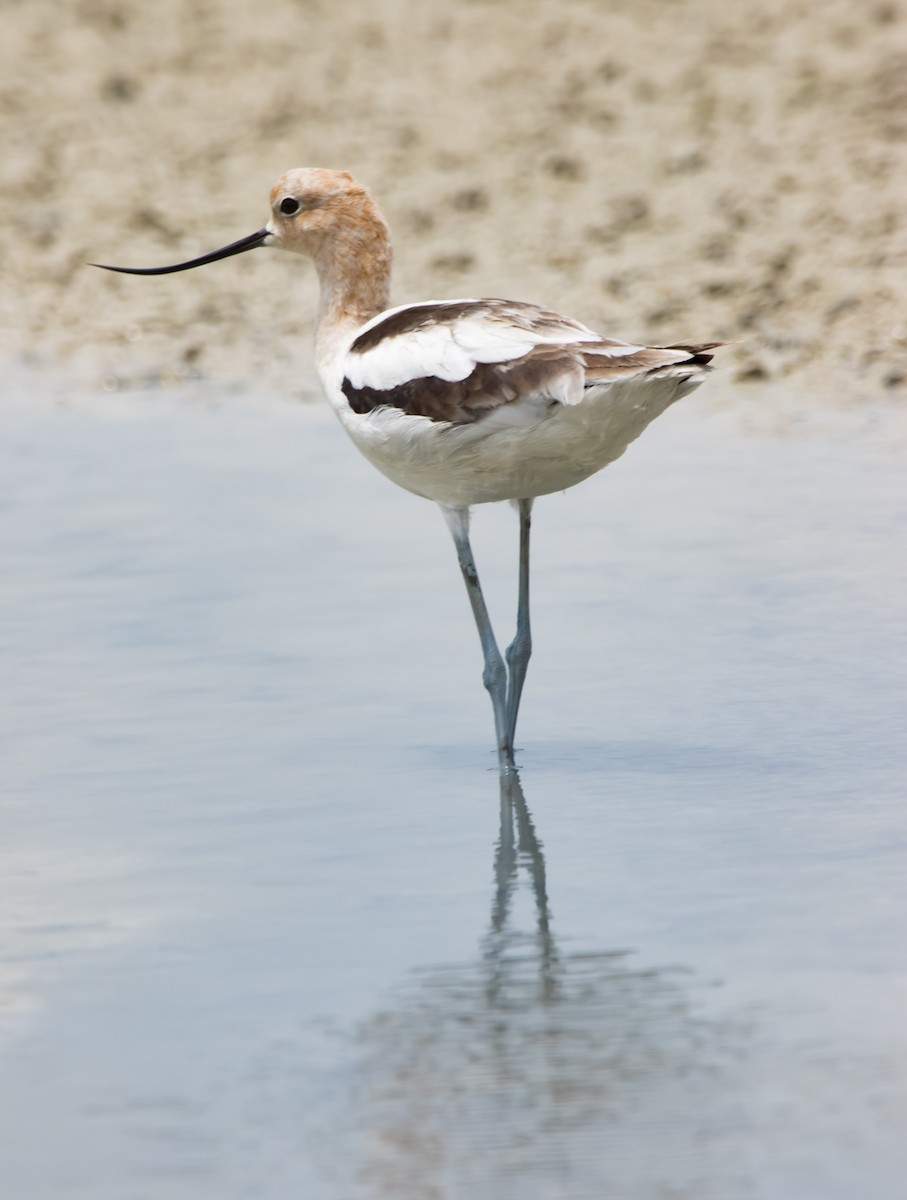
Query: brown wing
{"x": 537, "y": 375}
{"x": 455, "y": 361}
{"x": 528, "y": 318}
{"x": 555, "y": 374}
{"x": 647, "y": 360}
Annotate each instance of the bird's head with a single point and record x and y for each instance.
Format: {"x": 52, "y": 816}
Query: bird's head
{"x": 313, "y": 210}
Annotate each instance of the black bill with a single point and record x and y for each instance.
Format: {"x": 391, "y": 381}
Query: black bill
{"x": 246, "y": 243}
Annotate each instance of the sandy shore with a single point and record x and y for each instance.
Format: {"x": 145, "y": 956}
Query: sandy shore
{"x": 661, "y": 171}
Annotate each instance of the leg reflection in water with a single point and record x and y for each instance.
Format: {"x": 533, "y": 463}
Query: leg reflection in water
{"x": 518, "y": 845}
{"x": 535, "y": 1071}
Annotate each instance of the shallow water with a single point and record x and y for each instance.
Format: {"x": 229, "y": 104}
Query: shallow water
{"x": 269, "y": 927}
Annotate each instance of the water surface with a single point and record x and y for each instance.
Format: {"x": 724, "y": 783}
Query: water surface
{"x": 271, "y": 930}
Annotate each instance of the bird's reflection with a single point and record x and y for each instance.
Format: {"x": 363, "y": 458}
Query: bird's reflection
{"x": 537, "y": 1071}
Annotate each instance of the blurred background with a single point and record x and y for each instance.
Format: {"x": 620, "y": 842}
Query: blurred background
{"x": 661, "y": 170}
{"x": 268, "y": 926}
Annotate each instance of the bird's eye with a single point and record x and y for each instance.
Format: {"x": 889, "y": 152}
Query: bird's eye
{"x": 289, "y": 205}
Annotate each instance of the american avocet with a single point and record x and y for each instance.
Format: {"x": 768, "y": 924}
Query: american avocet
{"x": 462, "y": 401}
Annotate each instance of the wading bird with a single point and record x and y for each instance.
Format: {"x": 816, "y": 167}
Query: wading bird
{"x": 462, "y": 401}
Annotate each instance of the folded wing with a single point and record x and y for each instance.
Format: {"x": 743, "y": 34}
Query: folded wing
{"x": 456, "y": 361}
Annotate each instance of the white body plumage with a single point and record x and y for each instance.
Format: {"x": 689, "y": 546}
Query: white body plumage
{"x": 558, "y": 401}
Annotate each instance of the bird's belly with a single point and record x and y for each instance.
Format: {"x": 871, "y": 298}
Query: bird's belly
{"x": 508, "y": 455}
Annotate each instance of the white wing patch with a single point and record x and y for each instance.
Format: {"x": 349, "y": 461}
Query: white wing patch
{"x": 413, "y": 355}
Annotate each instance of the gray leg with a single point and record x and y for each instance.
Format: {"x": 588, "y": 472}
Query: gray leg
{"x": 520, "y": 649}
{"x": 495, "y": 674}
